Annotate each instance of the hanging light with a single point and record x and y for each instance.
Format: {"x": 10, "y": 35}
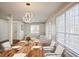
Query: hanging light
{"x": 28, "y": 15}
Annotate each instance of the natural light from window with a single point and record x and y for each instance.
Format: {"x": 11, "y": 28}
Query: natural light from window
{"x": 34, "y": 28}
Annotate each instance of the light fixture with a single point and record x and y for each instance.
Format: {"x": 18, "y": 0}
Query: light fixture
{"x": 28, "y": 15}
{"x": 28, "y": 4}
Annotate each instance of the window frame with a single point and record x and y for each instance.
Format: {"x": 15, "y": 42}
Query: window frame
{"x": 33, "y": 30}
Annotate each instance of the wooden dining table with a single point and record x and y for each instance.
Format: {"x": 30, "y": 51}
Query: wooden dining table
{"x": 36, "y": 53}
{"x": 26, "y": 48}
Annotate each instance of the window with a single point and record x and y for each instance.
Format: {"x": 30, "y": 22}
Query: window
{"x": 34, "y": 28}
{"x": 48, "y": 29}
{"x": 60, "y": 21}
{"x": 60, "y": 37}
{"x": 67, "y": 28}
{"x": 60, "y": 27}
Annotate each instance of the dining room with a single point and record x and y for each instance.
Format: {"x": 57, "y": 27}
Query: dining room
{"x": 39, "y": 29}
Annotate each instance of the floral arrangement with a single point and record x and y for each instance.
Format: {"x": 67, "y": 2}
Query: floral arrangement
{"x": 28, "y": 38}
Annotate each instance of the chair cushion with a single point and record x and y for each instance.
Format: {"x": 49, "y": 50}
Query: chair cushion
{"x": 53, "y": 55}
{"x": 48, "y": 48}
{"x": 59, "y": 49}
{"x": 19, "y": 55}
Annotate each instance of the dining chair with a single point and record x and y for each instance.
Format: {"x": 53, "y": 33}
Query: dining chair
{"x": 58, "y": 53}
{"x": 37, "y": 42}
{"x": 51, "y": 47}
{"x": 6, "y": 45}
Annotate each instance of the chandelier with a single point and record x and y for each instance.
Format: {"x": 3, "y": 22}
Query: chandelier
{"x": 28, "y": 15}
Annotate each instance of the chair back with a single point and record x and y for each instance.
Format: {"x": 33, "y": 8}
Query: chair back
{"x": 52, "y": 43}
{"x": 59, "y": 49}
{"x": 36, "y": 43}
{"x": 6, "y": 45}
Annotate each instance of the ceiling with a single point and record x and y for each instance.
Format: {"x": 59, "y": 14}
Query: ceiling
{"x": 40, "y": 10}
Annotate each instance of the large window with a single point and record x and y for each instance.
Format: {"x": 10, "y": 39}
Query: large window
{"x": 60, "y": 28}
{"x": 60, "y": 23}
{"x": 34, "y": 28}
{"x": 48, "y": 29}
{"x": 67, "y": 28}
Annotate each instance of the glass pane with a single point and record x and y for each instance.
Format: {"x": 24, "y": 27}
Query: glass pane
{"x": 67, "y": 40}
{"x": 60, "y": 23}
{"x": 68, "y": 21}
{"x": 74, "y": 43}
{"x": 60, "y": 37}
{"x": 76, "y": 9}
{"x": 71, "y": 12}
{"x": 71, "y": 25}
{"x": 76, "y": 30}
{"x": 67, "y": 25}
{"x": 34, "y": 28}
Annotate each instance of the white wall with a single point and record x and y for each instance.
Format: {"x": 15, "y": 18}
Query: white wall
{"x": 4, "y": 33}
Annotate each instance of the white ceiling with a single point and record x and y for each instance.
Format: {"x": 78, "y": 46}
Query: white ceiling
{"x": 40, "y": 10}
